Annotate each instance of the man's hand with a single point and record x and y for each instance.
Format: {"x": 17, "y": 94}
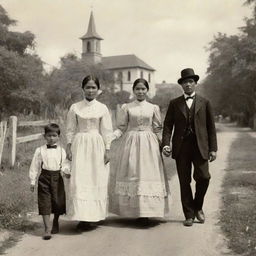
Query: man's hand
{"x": 212, "y": 156}
{"x": 167, "y": 151}
{"x": 106, "y": 156}
{"x": 32, "y": 188}
{"x": 69, "y": 153}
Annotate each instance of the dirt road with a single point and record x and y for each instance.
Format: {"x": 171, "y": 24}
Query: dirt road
{"x": 119, "y": 237}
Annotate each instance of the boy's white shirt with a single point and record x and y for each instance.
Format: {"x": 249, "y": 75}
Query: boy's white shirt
{"x": 49, "y": 159}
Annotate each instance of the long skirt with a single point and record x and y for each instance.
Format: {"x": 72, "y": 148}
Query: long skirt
{"x": 138, "y": 184}
{"x": 88, "y": 196}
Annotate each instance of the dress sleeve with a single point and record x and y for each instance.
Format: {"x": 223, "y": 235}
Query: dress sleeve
{"x": 168, "y": 125}
{"x": 122, "y": 121}
{"x": 65, "y": 163}
{"x": 157, "y": 122}
{"x": 106, "y": 128}
{"x": 35, "y": 166}
{"x": 71, "y": 124}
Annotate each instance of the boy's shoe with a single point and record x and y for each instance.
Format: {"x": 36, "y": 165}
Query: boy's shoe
{"x": 188, "y": 222}
{"x": 47, "y": 235}
{"x": 55, "y": 228}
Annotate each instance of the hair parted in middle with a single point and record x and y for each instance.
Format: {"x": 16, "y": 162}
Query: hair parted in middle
{"x": 89, "y": 78}
{"x": 140, "y": 80}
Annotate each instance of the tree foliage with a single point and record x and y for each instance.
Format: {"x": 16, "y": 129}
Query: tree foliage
{"x": 230, "y": 82}
{"x": 65, "y": 82}
{"x": 164, "y": 95}
{"x": 21, "y": 73}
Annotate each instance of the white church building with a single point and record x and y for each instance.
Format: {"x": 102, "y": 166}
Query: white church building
{"x": 126, "y": 68}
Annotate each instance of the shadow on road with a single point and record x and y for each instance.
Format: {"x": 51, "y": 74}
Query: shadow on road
{"x": 132, "y": 223}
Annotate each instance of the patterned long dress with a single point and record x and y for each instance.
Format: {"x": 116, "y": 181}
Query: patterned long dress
{"x": 139, "y": 187}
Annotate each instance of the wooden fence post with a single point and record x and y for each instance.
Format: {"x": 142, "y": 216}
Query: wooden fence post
{"x": 12, "y": 139}
{"x": 3, "y": 128}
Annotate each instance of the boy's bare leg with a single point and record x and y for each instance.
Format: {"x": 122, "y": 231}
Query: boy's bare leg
{"x": 47, "y": 234}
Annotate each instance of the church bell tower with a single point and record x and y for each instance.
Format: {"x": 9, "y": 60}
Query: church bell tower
{"x": 91, "y": 51}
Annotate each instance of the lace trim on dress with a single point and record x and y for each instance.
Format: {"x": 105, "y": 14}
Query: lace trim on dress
{"x": 153, "y": 189}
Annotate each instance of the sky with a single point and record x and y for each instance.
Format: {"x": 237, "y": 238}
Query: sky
{"x": 169, "y": 35}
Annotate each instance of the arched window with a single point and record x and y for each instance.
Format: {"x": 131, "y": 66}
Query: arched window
{"x": 141, "y": 74}
{"x": 120, "y": 79}
{"x": 149, "y": 77}
{"x": 129, "y": 76}
{"x": 88, "y": 47}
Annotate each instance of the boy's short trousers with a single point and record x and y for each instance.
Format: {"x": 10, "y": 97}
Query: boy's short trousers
{"x": 51, "y": 193}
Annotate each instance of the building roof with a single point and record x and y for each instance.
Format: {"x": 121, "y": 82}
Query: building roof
{"x": 124, "y": 61}
{"x": 91, "y": 31}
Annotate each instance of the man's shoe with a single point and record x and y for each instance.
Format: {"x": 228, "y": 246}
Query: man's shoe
{"x": 200, "y": 216}
{"x": 188, "y": 222}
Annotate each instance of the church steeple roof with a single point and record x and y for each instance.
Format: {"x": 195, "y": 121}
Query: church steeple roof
{"x": 91, "y": 31}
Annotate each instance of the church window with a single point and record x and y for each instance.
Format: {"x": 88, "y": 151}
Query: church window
{"x": 141, "y": 74}
{"x": 120, "y": 76}
{"x": 88, "y": 47}
{"x": 129, "y": 76}
{"x": 149, "y": 77}
{"x": 97, "y": 46}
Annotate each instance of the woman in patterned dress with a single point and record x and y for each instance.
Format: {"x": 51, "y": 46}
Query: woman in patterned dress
{"x": 139, "y": 187}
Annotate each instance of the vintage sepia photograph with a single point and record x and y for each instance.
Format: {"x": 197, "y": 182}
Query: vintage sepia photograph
{"x": 127, "y": 127}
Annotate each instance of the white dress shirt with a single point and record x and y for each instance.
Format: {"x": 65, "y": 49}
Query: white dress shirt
{"x": 189, "y": 102}
{"x": 50, "y": 159}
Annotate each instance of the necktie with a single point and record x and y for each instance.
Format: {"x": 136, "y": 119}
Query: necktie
{"x": 51, "y": 146}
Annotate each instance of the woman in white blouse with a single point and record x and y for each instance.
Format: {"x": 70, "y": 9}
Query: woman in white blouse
{"x": 139, "y": 187}
{"x": 89, "y": 133}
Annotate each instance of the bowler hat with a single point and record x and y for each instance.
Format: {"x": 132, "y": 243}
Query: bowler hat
{"x": 188, "y": 73}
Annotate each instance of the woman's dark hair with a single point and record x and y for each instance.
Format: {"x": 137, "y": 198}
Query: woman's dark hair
{"x": 140, "y": 80}
{"x": 52, "y": 127}
{"x": 89, "y": 78}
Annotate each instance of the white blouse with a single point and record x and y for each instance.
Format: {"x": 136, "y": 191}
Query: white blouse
{"x": 139, "y": 116}
{"x": 50, "y": 159}
{"x": 87, "y": 116}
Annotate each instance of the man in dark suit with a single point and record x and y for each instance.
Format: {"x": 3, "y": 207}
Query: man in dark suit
{"x": 190, "y": 119}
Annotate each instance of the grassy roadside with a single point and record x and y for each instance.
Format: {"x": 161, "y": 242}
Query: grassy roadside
{"x": 16, "y": 200}
{"x": 238, "y": 214}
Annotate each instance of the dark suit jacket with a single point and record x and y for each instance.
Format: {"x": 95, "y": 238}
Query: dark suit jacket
{"x": 176, "y": 119}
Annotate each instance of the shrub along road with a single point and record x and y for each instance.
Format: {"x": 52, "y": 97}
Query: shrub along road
{"x": 121, "y": 237}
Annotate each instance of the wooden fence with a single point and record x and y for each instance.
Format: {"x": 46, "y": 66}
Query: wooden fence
{"x": 9, "y": 130}
{"x": 13, "y": 140}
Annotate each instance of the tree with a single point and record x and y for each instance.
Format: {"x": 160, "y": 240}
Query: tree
{"x": 21, "y": 73}
{"x": 231, "y": 72}
{"x": 65, "y": 82}
{"x": 164, "y": 95}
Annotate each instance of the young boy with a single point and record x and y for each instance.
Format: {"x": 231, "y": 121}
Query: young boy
{"x": 50, "y": 159}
